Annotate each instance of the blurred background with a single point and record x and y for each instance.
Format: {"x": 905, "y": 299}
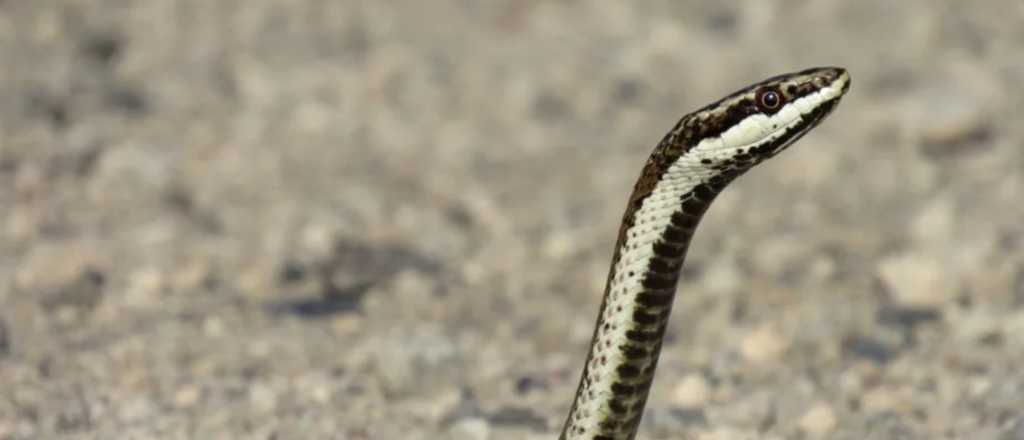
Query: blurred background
{"x": 283, "y": 219}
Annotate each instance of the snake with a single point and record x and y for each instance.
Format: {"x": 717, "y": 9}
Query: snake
{"x": 688, "y": 168}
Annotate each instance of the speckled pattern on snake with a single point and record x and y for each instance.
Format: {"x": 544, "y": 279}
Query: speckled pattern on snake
{"x": 695, "y": 161}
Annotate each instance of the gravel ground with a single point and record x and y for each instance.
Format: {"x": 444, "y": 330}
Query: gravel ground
{"x": 274, "y": 219}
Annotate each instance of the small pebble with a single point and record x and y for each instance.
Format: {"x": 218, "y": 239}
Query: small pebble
{"x": 865, "y": 347}
{"x": 191, "y": 276}
{"x": 954, "y": 122}
{"x": 691, "y": 392}
{"x": 818, "y": 421}
{"x": 559, "y": 246}
{"x": 257, "y": 279}
{"x": 471, "y": 429}
{"x": 262, "y": 397}
{"x": 145, "y": 286}
{"x": 70, "y": 274}
{"x": 764, "y": 345}
{"x": 884, "y": 399}
{"x": 347, "y": 323}
{"x": 956, "y": 137}
{"x": 916, "y": 280}
{"x": 186, "y": 396}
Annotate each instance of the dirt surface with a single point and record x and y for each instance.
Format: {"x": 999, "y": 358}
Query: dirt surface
{"x": 387, "y": 220}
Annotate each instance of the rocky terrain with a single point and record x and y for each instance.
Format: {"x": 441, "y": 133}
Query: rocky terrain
{"x": 285, "y": 219}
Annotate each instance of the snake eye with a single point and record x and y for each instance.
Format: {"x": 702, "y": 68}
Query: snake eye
{"x": 769, "y": 99}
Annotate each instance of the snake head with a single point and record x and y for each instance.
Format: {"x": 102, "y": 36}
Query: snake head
{"x": 758, "y": 121}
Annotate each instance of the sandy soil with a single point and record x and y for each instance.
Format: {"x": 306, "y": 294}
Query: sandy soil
{"x": 271, "y": 219}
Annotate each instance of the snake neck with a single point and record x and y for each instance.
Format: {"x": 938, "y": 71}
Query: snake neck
{"x": 652, "y": 245}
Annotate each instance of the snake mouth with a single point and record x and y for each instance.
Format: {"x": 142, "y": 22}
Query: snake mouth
{"x": 790, "y": 134}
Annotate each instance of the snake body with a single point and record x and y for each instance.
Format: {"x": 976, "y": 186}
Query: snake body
{"x": 705, "y": 151}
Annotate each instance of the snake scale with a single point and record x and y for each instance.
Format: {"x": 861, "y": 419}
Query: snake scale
{"x": 694, "y": 162}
